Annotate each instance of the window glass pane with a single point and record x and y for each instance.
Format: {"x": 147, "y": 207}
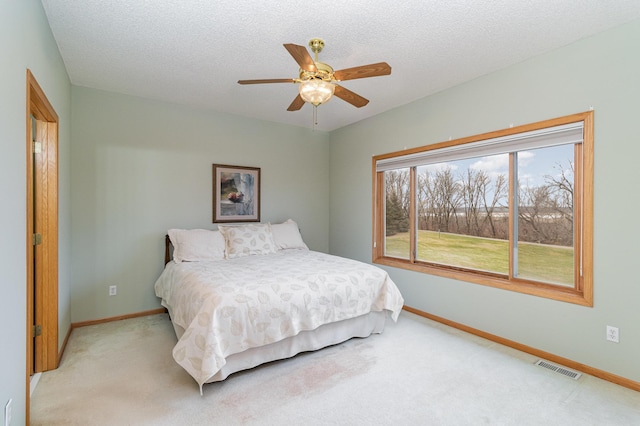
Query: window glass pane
{"x": 463, "y": 214}
{"x": 397, "y": 207}
{"x": 545, "y": 249}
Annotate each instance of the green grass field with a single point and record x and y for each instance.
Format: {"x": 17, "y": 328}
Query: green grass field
{"x": 536, "y": 261}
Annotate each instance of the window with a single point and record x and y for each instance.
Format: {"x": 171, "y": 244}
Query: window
{"x": 511, "y": 209}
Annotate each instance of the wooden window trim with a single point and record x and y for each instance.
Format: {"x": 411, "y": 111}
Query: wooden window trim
{"x": 581, "y": 294}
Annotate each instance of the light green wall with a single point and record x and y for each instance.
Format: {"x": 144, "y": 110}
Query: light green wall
{"x": 141, "y": 167}
{"x": 26, "y": 42}
{"x": 601, "y": 71}
{"x": 136, "y": 168}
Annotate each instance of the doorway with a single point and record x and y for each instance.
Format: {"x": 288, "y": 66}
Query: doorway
{"x": 42, "y": 233}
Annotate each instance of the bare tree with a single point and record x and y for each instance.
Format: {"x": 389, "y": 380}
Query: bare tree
{"x": 534, "y": 214}
{"x": 473, "y": 183}
{"x": 445, "y": 194}
{"x": 545, "y": 212}
{"x": 472, "y": 203}
{"x": 562, "y": 190}
{"x": 498, "y": 195}
{"x": 562, "y": 187}
{"x": 425, "y": 202}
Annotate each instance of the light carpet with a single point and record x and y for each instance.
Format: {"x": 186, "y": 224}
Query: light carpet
{"x": 418, "y": 372}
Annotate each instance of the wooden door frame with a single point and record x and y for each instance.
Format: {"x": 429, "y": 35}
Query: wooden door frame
{"x": 45, "y": 284}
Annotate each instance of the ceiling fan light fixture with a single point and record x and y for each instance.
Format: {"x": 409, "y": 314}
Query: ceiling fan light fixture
{"x": 316, "y": 91}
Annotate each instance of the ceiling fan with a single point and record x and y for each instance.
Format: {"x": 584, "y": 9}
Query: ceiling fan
{"x": 318, "y": 81}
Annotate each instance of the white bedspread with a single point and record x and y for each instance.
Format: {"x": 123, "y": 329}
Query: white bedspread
{"x": 228, "y": 306}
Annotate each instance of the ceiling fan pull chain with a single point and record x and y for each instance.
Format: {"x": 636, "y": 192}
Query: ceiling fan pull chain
{"x": 315, "y": 116}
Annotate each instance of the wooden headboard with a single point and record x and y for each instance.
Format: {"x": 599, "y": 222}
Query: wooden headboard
{"x": 167, "y": 249}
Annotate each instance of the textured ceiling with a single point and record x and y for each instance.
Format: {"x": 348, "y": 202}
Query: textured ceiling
{"x": 193, "y": 52}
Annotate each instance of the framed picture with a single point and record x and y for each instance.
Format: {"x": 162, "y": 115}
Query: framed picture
{"x": 236, "y": 193}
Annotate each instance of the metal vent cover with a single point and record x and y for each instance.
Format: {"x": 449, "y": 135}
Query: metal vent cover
{"x": 561, "y": 370}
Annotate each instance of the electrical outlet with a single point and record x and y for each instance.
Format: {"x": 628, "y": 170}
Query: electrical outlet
{"x": 113, "y": 290}
{"x": 7, "y": 413}
{"x": 613, "y": 334}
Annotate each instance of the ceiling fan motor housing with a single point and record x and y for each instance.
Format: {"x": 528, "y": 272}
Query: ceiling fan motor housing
{"x": 323, "y": 72}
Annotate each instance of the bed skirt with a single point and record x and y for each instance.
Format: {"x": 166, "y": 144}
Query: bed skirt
{"x": 305, "y": 341}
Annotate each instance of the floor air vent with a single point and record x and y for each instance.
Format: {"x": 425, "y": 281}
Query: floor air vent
{"x": 561, "y": 370}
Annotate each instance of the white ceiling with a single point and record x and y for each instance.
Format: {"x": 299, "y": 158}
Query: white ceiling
{"x": 193, "y": 52}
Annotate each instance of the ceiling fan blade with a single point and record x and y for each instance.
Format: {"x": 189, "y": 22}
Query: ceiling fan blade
{"x": 348, "y": 96}
{"x": 371, "y": 70}
{"x": 271, "y": 80}
{"x": 297, "y": 103}
{"x": 302, "y": 57}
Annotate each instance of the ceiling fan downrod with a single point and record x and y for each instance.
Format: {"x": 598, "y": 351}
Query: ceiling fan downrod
{"x": 316, "y": 45}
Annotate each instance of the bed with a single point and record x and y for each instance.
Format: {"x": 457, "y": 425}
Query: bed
{"x": 245, "y": 295}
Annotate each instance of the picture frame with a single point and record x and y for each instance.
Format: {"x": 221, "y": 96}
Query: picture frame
{"x": 236, "y": 193}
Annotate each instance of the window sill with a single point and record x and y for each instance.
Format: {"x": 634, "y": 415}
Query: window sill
{"x": 548, "y": 291}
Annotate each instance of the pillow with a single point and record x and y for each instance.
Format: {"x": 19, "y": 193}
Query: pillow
{"x": 247, "y": 240}
{"x": 287, "y": 236}
{"x": 193, "y": 245}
